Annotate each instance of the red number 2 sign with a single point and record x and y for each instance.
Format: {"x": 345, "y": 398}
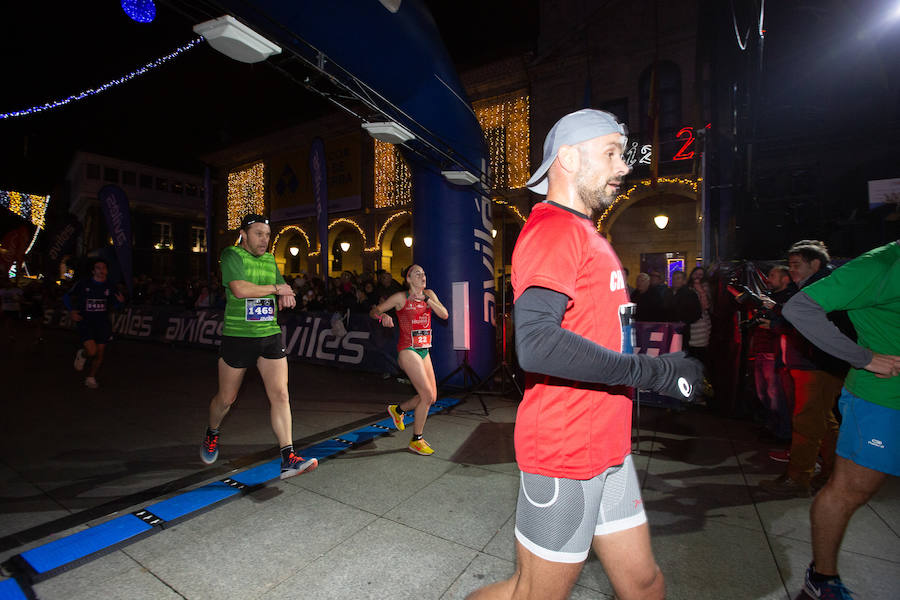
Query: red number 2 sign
{"x": 683, "y": 153}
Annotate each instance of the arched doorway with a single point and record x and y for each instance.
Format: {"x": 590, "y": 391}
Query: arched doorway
{"x": 642, "y": 245}
{"x": 291, "y": 250}
{"x": 629, "y": 224}
{"x": 396, "y": 244}
{"x": 346, "y": 242}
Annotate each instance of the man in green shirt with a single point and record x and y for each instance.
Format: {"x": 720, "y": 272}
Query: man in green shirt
{"x": 868, "y": 447}
{"x": 255, "y": 291}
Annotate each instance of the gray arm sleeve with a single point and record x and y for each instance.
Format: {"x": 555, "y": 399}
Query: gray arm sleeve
{"x": 809, "y": 318}
{"x": 543, "y": 346}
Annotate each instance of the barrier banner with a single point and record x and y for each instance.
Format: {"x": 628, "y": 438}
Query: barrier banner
{"x": 117, "y": 213}
{"x": 654, "y": 338}
{"x": 308, "y": 336}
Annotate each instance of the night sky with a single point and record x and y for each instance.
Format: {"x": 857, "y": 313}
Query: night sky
{"x": 199, "y": 102}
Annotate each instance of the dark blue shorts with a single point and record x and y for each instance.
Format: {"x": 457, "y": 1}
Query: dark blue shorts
{"x": 98, "y": 330}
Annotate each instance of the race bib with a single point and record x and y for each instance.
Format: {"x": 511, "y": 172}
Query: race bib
{"x": 259, "y": 309}
{"x": 95, "y": 305}
{"x": 421, "y": 338}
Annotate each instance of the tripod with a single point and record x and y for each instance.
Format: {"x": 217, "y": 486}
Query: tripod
{"x": 503, "y": 370}
{"x": 471, "y": 380}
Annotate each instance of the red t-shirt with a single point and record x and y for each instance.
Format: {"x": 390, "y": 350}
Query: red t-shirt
{"x": 569, "y": 428}
{"x": 414, "y": 322}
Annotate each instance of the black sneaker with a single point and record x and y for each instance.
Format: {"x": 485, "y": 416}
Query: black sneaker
{"x": 209, "y": 449}
{"x": 297, "y": 465}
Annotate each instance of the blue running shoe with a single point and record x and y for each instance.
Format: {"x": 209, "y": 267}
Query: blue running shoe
{"x": 297, "y": 465}
{"x": 209, "y": 449}
{"x": 830, "y": 589}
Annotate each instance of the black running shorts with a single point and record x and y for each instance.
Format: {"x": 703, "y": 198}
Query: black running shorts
{"x": 243, "y": 352}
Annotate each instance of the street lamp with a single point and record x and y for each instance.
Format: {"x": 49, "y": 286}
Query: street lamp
{"x": 345, "y": 246}
{"x": 407, "y": 241}
{"x": 294, "y": 250}
{"x": 661, "y": 220}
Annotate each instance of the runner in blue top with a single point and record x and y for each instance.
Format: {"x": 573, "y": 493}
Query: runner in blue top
{"x": 88, "y": 303}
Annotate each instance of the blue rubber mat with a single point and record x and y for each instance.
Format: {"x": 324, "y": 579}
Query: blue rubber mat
{"x": 74, "y": 547}
{"x": 63, "y": 552}
{"x": 192, "y": 501}
{"x": 10, "y": 590}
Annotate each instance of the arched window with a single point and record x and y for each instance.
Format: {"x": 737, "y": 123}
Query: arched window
{"x": 669, "y": 94}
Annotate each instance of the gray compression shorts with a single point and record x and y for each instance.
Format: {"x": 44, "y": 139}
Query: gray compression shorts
{"x": 556, "y": 519}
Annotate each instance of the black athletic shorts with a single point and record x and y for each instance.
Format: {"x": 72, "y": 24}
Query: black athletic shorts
{"x": 242, "y": 352}
{"x": 98, "y": 330}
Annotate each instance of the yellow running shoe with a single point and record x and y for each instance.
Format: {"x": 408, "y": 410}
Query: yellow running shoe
{"x": 421, "y": 447}
{"x": 396, "y": 416}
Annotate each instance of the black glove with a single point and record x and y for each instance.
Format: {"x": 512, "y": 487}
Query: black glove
{"x": 675, "y": 375}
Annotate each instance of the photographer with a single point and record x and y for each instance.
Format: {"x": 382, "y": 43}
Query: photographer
{"x": 773, "y": 384}
{"x": 817, "y": 378}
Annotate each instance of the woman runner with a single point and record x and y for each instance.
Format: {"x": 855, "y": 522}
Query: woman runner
{"x": 414, "y": 307}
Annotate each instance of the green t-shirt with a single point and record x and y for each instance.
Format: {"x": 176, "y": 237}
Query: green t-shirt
{"x": 249, "y": 317}
{"x": 868, "y": 288}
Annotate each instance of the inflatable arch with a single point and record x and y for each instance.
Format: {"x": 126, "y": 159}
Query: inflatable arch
{"x": 389, "y": 56}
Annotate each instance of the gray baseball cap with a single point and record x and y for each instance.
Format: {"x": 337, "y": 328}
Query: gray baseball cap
{"x": 574, "y": 128}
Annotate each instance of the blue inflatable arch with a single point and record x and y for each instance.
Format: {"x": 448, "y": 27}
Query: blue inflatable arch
{"x": 389, "y": 56}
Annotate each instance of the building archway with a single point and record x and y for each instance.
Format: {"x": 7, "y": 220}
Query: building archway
{"x": 395, "y": 254}
{"x": 344, "y": 232}
{"x": 289, "y": 263}
{"x": 629, "y": 224}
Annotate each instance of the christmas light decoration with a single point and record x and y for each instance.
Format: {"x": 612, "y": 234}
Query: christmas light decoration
{"x": 142, "y": 11}
{"x": 94, "y": 91}
{"x": 338, "y": 222}
{"x": 504, "y": 120}
{"x": 393, "y": 180}
{"x": 27, "y": 206}
{"x": 246, "y": 193}
{"x": 380, "y": 237}
{"x": 287, "y": 228}
{"x": 511, "y": 207}
{"x": 675, "y": 184}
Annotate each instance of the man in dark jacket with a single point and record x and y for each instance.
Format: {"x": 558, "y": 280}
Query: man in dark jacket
{"x": 818, "y": 378}
{"x": 683, "y": 304}
{"x": 768, "y": 362}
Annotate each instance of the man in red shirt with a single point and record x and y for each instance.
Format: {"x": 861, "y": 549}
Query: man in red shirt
{"x": 579, "y": 488}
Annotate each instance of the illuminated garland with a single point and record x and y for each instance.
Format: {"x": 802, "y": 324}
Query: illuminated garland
{"x": 27, "y": 206}
{"x": 504, "y": 120}
{"x": 338, "y": 222}
{"x": 511, "y": 207}
{"x": 393, "y": 180}
{"x": 693, "y": 184}
{"x": 246, "y": 193}
{"x": 291, "y": 228}
{"x": 94, "y": 91}
{"x": 380, "y": 237}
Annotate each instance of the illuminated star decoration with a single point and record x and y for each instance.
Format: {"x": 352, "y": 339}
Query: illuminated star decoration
{"x": 142, "y": 11}
{"x": 93, "y": 91}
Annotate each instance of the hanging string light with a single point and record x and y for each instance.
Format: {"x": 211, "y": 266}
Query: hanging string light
{"x": 379, "y": 238}
{"x": 504, "y": 120}
{"x": 94, "y": 91}
{"x": 286, "y": 229}
{"x": 678, "y": 184}
{"x": 246, "y": 193}
{"x": 27, "y": 206}
{"x": 393, "y": 180}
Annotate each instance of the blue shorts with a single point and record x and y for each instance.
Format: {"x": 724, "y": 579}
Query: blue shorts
{"x": 870, "y": 434}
